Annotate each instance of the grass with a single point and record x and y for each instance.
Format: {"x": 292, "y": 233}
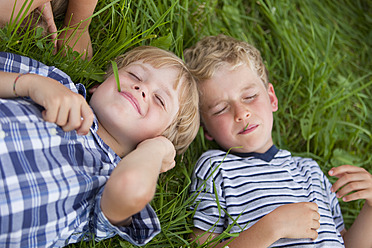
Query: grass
{"x": 317, "y": 52}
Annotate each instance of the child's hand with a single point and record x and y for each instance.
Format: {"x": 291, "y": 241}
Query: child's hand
{"x": 296, "y": 220}
{"x": 67, "y": 109}
{"x": 354, "y": 180}
{"x": 168, "y": 159}
{"x": 166, "y": 149}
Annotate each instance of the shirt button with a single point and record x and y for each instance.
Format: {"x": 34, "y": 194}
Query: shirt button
{"x": 53, "y": 131}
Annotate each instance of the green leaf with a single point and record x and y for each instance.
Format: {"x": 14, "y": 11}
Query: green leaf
{"x": 164, "y": 42}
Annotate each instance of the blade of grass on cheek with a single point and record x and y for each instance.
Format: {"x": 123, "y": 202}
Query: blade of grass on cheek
{"x": 116, "y": 74}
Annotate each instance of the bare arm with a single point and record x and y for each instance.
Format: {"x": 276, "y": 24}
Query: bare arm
{"x": 77, "y": 16}
{"x": 78, "y": 11}
{"x": 355, "y": 183}
{"x": 132, "y": 183}
{"x": 62, "y": 106}
{"x": 297, "y": 220}
{"x": 7, "y": 7}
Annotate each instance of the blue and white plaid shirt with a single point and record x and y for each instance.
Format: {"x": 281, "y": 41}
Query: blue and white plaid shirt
{"x": 51, "y": 181}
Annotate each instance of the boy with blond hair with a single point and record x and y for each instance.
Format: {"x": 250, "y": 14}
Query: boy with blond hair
{"x": 250, "y": 186}
{"x": 70, "y": 171}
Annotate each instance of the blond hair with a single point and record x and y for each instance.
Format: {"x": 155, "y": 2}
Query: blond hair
{"x": 211, "y": 52}
{"x": 185, "y": 126}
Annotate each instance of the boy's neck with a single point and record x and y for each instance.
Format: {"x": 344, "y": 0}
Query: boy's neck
{"x": 114, "y": 144}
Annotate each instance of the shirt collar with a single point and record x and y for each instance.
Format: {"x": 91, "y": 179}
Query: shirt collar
{"x": 266, "y": 156}
{"x": 93, "y": 130}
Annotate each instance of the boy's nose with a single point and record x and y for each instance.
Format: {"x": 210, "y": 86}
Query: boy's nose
{"x": 241, "y": 113}
{"x": 141, "y": 89}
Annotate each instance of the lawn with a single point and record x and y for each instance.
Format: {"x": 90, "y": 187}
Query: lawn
{"x": 318, "y": 54}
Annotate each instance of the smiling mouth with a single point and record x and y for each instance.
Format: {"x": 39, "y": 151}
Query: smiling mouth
{"x": 248, "y": 129}
{"x": 132, "y": 100}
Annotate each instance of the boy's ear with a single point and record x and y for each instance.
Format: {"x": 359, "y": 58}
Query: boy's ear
{"x": 273, "y": 98}
{"x": 93, "y": 89}
{"x": 206, "y": 134}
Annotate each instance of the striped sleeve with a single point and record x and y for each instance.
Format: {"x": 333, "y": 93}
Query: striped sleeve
{"x": 207, "y": 188}
{"x": 334, "y": 206}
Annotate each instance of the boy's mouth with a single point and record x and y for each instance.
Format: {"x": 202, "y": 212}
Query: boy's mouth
{"x": 132, "y": 100}
{"x": 248, "y": 129}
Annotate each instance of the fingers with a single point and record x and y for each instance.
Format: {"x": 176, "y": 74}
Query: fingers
{"x": 315, "y": 216}
{"x": 353, "y": 183}
{"x": 362, "y": 194}
{"x": 167, "y": 167}
{"x": 75, "y": 114}
{"x": 297, "y": 220}
{"x": 169, "y": 155}
{"x": 351, "y": 180}
{"x": 47, "y": 14}
{"x": 87, "y": 121}
{"x": 362, "y": 189}
{"x": 312, "y": 234}
{"x": 314, "y": 222}
{"x": 340, "y": 170}
{"x": 312, "y": 206}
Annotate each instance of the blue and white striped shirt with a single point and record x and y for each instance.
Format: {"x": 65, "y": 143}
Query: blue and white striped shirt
{"x": 249, "y": 186}
{"x": 51, "y": 181}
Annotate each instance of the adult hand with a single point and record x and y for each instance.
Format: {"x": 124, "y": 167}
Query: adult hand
{"x": 47, "y": 15}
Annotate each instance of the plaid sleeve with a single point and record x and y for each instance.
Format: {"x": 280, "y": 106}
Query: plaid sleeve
{"x": 15, "y": 63}
{"x": 145, "y": 225}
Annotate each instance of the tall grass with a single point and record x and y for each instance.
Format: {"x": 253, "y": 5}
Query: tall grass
{"x": 318, "y": 54}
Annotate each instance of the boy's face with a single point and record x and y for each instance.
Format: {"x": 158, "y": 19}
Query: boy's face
{"x": 145, "y": 107}
{"x": 233, "y": 99}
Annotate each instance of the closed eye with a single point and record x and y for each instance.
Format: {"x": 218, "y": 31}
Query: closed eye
{"x": 248, "y": 98}
{"x": 220, "y": 111}
{"x": 160, "y": 100}
{"x": 135, "y": 76}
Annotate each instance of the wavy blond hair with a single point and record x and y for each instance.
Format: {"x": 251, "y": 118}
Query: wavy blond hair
{"x": 211, "y": 52}
{"x": 185, "y": 126}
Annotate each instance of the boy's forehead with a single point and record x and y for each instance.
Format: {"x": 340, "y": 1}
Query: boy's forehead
{"x": 229, "y": 79}
{"x": 152, "y": 67}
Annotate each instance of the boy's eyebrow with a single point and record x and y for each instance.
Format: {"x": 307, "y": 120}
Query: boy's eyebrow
{"x": 166, "y": 89}
{"x": 140, "y": 65}
{"x": 250, "y": 86}
{"x": 214, "y": 104}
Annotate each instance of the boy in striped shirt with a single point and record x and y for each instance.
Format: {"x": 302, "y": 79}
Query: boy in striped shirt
{"x": 264, "y": 193}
